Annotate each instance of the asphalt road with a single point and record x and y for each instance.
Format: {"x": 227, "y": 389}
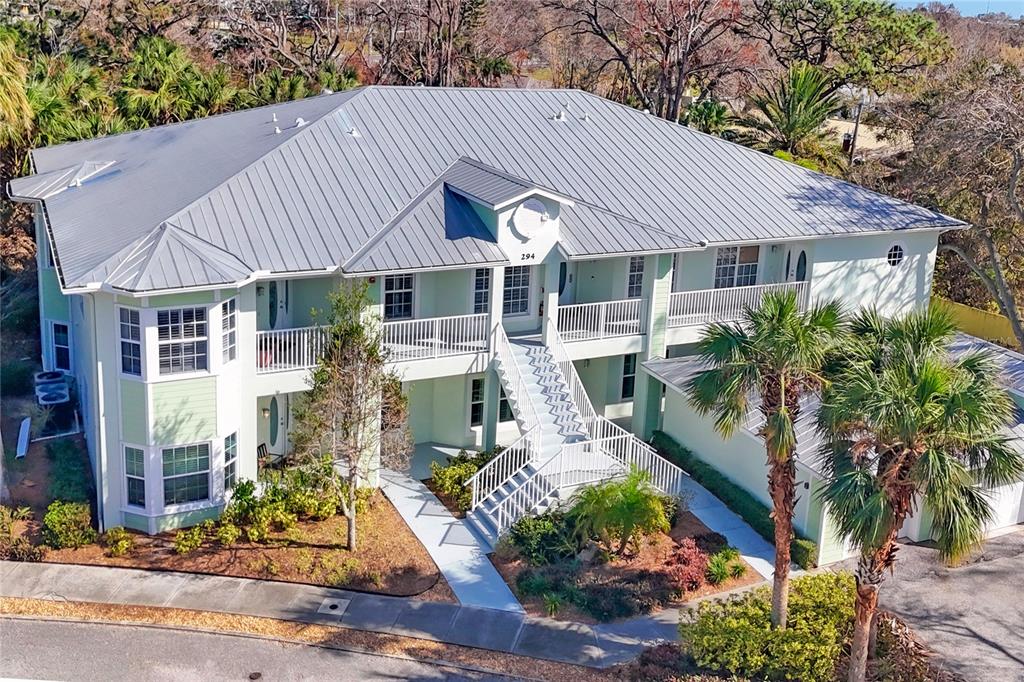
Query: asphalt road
{"x": 972, "y": 615}
{"x": 54, "y": 650}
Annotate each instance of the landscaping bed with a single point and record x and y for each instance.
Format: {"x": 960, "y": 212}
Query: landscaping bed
{"x": 602, "y": 589}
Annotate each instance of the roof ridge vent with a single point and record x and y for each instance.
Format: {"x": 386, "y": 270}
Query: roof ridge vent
{"x": 299, "y": 122}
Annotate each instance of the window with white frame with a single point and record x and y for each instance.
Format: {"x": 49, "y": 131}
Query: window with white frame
{"x": 505, "y": 409}
{"x": 481, "y": 290}
{"x": 230, "y": 461}
{"x": 517, "y": 290}
{"x": 181, "y": 337}
{"x": 135, "y": 475}
{"x": 186, "y": 471}
{"x": 635, "y": 278}
{"x": 476, "y": 402}
{"x": 228, "y": 323}
{"x": 131, "y": 341}
{"x": 736, "y": 266}
{"x": 398, "y": 297}
{"x": 628, "y": 375}
{"x": 61, "y": 347}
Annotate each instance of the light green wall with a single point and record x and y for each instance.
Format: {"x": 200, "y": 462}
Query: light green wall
{"x": 187, "y": 298}
{"x": 308, "y": 295}
{"x": 602, "y": 377}
{"x": 439, "y": 410}
{"x": 135, "y": 521}
{"x": 601, "y": 280}
{"x": 184, "y": 411}
{"x": 185, "y": 519}
{"x": 443, "y": 293}
{"x": 133, "y": 411}
{"x": 54, "y": 303}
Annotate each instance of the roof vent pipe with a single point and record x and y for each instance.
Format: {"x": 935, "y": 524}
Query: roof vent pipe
{"x": 353, "y": 132}
{"x": 299, "y": 122}
{"x": 274, "y": 117}
{"x": 560, "y": 116}
{"x": 327, "y": 91}
{"x": 277, "y": 130}
{"x": 585, "y": 117}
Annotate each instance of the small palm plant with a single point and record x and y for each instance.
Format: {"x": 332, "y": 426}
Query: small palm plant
{"x": 775, "y": 353}
{"x": 902, "y": 420}
{"x": 789, "y": 117}
{"x": 620, "y": 511}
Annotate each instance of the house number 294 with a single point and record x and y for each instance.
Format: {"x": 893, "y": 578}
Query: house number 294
{"x": 527, "y": 256}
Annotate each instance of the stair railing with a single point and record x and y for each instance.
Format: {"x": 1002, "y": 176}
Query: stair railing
{"x": 527, "y": 447}
{"x": 539, "y": 486}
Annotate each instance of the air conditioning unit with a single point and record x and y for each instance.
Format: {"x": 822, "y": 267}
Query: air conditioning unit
{"x": 52, "y": 377}
{"x": 52, "y": 394}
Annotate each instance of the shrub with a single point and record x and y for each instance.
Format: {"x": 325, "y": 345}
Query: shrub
{"x": 118, "y": 541}
{"x": 737, "y": 569}
{"x": 20, "y": 549}
{"x": 69, "y": 473}
{"x": 554, "y": 578}
{"x": 259, "y": 516}
{"x": 736, "y": 637}
{"x": 552, "y": 602}
{"x": 189, "y": 540}
{"x": 662, "y": 663}
{"x": 68, "y": 524}
{"x": 687, "y": 566}
{"x": 450, "y": 479}
{"x": 620, "y": 511}
{"x": 804, "y": 552}
{"x": 545, "y": 539}
{"x": 718, "y": 569}
{"x": 16, "y": 377}
{"x": 227, "y": 534}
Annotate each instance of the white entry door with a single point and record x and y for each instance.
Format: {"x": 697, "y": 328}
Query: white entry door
{"x": 278, "y": 424}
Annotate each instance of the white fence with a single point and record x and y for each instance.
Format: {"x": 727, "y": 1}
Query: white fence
{"x": 583, "y": 321}
{"x": 688, "y": 308}
{"x": 433, "y": 337}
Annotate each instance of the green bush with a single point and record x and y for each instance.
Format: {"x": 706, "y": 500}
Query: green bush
{"x": 545, "y": 539}
{"x": 227, "y": 534}
{"x": 804, "y": 552}
{"x": 20, "y": 549}
{"x": 450, "y": 479}
{"x": 735, "y": 637}
{"x": 68, "y": 524}
{"x": 189, "y": 540}
{"x": 16, "y": 377}
{"x": 619, "y": 512}
{"x": 718, "y": 569}
{"x": 69, "y": 472}
{"x": 118, "y": 541}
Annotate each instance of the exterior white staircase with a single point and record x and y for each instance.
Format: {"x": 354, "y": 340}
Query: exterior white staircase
{"x": 565, "y": 442}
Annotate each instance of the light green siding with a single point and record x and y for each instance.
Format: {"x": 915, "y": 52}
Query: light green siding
{"x": 133, "y": 411}
{"x": 184, "y": 411}
{"x": 439, "y": 411}
{"x": 186, "y": 519}
{"x": 601, "y": 280}
{"x": 309, "y": 295}
{"x": 188, "y": 298}
{"x": 135, "y": 521}
{"x": 54, "y": 303}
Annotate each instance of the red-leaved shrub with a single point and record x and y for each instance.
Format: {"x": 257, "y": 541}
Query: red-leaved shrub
{"x": 687, "y": 565}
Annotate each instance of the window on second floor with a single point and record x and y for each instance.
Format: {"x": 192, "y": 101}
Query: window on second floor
{"x": 517, "y": 290}
{"x": 635, "y": 278}
{"x": 398, "y": 297}
{"x": 228, "y": 323}
{"x": 481, "y": 290}
{"x": 131, "y": 341}
{"x": 182, "y": 340}
{"x": 736, "y": 266}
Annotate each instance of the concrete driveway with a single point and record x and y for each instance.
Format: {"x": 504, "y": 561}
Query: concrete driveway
{"x": 972, "y": 616}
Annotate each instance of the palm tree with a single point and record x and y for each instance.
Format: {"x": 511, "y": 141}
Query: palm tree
{"x": 775, "y": 352}
{"x": 902, "y": 420}
{"x": 275, "y": 86}
{"x": 15, "y": 111}
{"x": 789, "y": 117}
{"x": 708, "y": 116}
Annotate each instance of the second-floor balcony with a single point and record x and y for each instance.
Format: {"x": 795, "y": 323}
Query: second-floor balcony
{"x": 406, "y": 340}
{"x": 694, "y": 308}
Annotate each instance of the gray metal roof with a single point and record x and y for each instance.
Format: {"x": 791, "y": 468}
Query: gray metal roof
{"x": 676, "y": 372}
{"x": 311, "y": 196}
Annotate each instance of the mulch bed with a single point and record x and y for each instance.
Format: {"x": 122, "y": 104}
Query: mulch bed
{"x": 447, "y": 501}
{"x": 652, "y": 556}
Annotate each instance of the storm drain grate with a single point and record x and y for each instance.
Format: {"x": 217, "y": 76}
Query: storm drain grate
{"x": 334, "y": 607}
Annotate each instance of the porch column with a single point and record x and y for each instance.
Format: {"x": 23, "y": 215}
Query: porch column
{"x": 647, "y": 394}
{"x": 492, "y": 400}
{"x": 549, "y": 322}
{"x": 496, "y": 303}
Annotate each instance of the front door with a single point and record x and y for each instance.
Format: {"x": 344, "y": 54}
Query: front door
{"x": 278, "y": 304}
{"x": 566, "y": 283}
{"x": 277, "y": 424}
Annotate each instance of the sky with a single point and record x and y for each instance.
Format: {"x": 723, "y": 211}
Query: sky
{"x": 1015, "y": 8}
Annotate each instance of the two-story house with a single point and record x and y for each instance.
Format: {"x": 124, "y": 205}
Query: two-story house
{"x": 526, "y": 250}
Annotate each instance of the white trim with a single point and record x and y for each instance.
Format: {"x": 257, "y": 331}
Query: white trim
{"x": 126, "y": 506}
{"x": 211, "y": 498}
{"x": 526, "y": 194}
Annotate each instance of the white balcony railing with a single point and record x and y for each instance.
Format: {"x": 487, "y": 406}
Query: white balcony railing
{"x": 281, "y": 350}
{"x": 436, "y": 337}
{"x": 585, "y": 321}
{"x": 687, "y": 308}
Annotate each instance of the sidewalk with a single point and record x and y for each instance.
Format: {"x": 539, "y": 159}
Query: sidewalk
{"x": 455, "y": 549}
{"x": 597, "y": 646}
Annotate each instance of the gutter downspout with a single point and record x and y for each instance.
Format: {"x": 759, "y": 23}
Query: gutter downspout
{"x": 101, "y": 425}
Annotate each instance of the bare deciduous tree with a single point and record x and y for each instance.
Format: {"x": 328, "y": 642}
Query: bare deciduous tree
{"x": 354, "y": 416}
{"x": 661, "y": 47}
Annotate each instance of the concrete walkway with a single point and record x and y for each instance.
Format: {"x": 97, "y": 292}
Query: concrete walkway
{"x": 713, "y": 513}
{"x": 458, "y": 553}
{"x": 497, "y": 630}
